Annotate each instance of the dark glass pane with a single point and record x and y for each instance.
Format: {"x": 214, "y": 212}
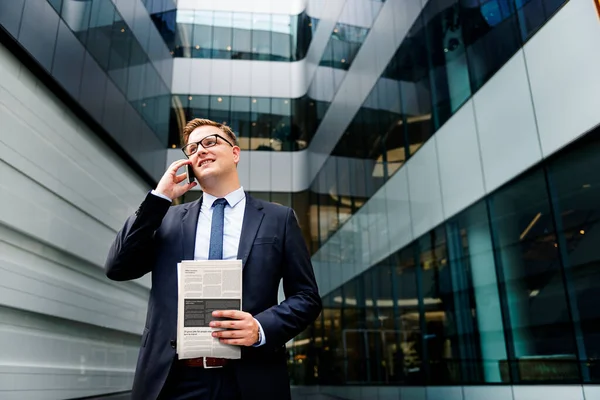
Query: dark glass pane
{"x": 281, "y": 121}
{"x": 304, "y": 122}
{"x": 261, "y": 124}
{"x": 56, "y": 4}
{"x": 478, "y": 313}
{"x": 120, "y": 48}
{"x": 76, "y": 14}
{"x": 576, "y": 187}
{"x": 448, "y": 68}
{"x": 491, "y": 37}
{"x": 240, "y": 120}
{"x": 68, "y": 62}
{"x": 11, "y": 12}
{"x": 220, "y": 108}
{"x": 441, "y": 342}
{"x": 542, "y": 346}
{"x": 99, "y": 33}
{"x": 409, "y": 67}
{"x": 409, "y": 357}
{"x": 531, "y": 16}
{"x": 93, "y": 87}
{"x": 38, "y": 31}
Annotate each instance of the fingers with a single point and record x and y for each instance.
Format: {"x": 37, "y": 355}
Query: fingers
{"x": 232, "y": 334}
{"x": 227, "y": 324}
{"x": 179, "y": 178}
{"x": 175, "y": 165}
{"x": 233, "y": 314}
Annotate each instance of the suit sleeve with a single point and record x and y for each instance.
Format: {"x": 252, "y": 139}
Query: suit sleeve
{"x": 303, "y": 303}
{"x": 131, "y": 255}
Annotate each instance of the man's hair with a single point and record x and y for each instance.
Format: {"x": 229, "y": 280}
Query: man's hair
{"x": 198, "y": 122}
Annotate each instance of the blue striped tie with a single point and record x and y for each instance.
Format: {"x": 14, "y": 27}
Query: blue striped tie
{"x": 215, "y": 251}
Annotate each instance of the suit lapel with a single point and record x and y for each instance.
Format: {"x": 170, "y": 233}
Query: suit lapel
{"x": 253, "y": 216}
{"x": 189, "y": 226}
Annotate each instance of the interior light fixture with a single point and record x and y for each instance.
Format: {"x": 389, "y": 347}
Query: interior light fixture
{"x": 219, "y": 99}
{"x": 531, "y": 224}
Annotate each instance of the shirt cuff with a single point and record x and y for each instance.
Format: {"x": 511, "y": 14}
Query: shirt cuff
{"x": 154, "y": 192}
{"x": 263, "y": 340}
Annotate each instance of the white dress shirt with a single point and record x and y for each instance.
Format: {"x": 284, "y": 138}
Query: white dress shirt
{"x": 232, "y": 229}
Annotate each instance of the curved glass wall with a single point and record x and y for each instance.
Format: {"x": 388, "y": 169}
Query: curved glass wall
{"x": 100, "y": 28}
{"x": 504, "y": 292}
{"x": 261, "y": 123}
{"x": 449, "y": 53}
{"x": 235, "y": 35}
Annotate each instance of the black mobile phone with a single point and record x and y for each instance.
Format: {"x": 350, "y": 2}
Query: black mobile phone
{"x": 189, "y": 171}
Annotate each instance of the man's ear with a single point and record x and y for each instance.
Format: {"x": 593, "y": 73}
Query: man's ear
{"x": 236, "y": 154}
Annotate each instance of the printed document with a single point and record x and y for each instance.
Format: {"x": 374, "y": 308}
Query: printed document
{"x": 203, "y": 287}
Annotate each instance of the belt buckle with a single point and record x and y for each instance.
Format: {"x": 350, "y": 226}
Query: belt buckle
{"x": 209, "y": 366}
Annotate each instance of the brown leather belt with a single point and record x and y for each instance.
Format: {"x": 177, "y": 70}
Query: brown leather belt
{"x": 204, "y": 362}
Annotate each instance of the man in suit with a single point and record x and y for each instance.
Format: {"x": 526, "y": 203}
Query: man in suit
{"x": 229, "y": 224}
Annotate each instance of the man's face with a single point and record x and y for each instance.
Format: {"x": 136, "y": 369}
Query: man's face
{"x": 218, "y": 160}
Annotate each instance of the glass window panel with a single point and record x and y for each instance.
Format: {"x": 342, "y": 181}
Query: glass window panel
{"x": 242, "y": 36}
{"x": 576, "y": 188}
{"x": 410, "y": 354}
{"x": 222, "y": 35}
{"x": 39, "y": 27}
{"x": 56, "y": 4}
{"x": 219, "y": 109}
{"x": 478, "y": 311}
{"x": 183, "y": 40}
{"x": 10, "y": 15}
{"x": 491, "y": 36}
{"x": 186, "y": 16}
{"x": 179, "y": 116}
{"x": 261, "y": 36}
{"x": 202, "y": 41}
{"x": 76, "y": 15}
{"x": 119, "y": 53}
{"x": 99, "y": 34}
{"x": 198, "y": 107}
{"x": 241, "y": 121}
{"x": 261, "y": 124}
{"x": 441, "y": 341}
{"x": 281, "y": 46}
{"x": 542, "y": 343}
{"x": 447, "y": 59}
{"x": 68, "y": 63}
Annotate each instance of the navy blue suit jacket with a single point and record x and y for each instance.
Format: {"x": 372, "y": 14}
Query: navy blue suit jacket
{"x": 271, "y": 248}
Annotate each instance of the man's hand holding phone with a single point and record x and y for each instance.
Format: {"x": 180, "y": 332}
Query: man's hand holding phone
{"x": 169, "y": 184}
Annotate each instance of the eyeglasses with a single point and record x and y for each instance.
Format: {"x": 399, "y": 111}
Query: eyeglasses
{"x": 208, "y": 141}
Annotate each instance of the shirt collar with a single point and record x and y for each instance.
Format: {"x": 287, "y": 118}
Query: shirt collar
{"x": 233, "y": 198}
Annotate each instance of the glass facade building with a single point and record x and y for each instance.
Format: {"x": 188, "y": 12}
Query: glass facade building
{"x": 441, "y": 158}
{"x": 502, "y": 292}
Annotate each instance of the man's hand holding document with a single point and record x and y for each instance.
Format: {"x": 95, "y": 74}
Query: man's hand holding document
{"x": 204, "y": 287}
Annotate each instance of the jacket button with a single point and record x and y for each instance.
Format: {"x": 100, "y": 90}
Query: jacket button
{"x": 173, "y": 343}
